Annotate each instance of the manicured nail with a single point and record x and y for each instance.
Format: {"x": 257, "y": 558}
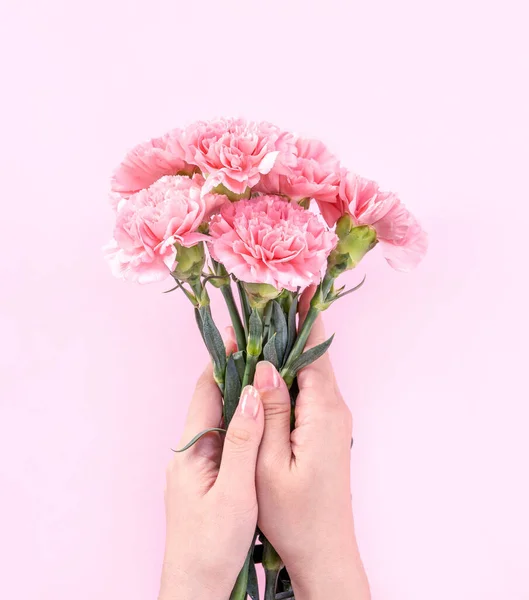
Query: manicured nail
{"x": 250, "y": 401}
{"x": 266, "y": 376}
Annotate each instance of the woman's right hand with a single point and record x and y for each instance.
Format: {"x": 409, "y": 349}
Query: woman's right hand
{"x": 303, "y": 481}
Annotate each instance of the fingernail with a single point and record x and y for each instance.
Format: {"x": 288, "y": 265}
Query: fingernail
{"x": 266, "y": 376}
{"x": 250, "y": 401}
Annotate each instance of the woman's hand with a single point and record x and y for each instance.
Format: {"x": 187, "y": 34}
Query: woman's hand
{"x": 211, "y": 502}
{"x": 303, "y": 481}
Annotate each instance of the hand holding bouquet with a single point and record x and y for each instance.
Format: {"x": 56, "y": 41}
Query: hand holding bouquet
{"x": 230, "y": 203}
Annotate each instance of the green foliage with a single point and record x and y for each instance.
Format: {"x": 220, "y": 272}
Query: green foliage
{"x": 198, "y": 436}
{"x": 232, "y": 390}
{"x": 240, "y": 363}
{"x": 214, "y": 344}
{"x": 252, "y": 588}
{"x": 255, "y": 334}
{"x": 309, "y": 356}
{"x": 292, "y": 330}
{"x": 270, "y": 352}
{"x": 281, "y": 329}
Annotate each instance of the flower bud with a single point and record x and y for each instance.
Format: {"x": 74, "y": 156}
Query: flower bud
{"x": 259, "y": 294}
{"x": 354, "y": 242}
{"x": 189, "y": 262}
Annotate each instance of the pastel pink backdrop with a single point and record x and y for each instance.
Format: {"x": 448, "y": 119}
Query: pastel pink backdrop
{"x": 428, "y": 98}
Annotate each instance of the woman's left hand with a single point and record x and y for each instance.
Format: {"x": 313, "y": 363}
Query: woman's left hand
{"x": 211, "y": 503}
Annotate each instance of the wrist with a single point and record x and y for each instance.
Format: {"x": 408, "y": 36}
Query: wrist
{"x": 179, "y": 583}
{"x": 340, "y": 576}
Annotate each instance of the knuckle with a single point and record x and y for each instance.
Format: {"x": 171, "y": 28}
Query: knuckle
{"x": 238, "y": 437}
{"x": 275, "y": 408}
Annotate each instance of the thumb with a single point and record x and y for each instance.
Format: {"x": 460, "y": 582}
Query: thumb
{"x": 276, "y": 406}
{"x": 239, "y": 456}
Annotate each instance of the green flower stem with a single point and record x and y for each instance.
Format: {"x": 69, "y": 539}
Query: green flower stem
{"x": 240, "y": 334}
{"x": 254, "y": 344}
{"x": 319, "y": 302}
{"x": 299, "y": 344}
{"x": 245, "y": 304}
{"x": 239, "y": 591}
{"x": 241, "y": 584}
{"x": 272, "y": 564}
{"x": 326, "y": 285}
{"x": 249, "y": 370}
{"x": 270, "y": 584}
{"x": 201, "y": 295}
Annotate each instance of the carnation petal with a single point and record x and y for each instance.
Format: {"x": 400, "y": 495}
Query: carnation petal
{"x": 406, "y": 257}
{"x": 148, "y": 162}
{"x": 151, "y": 221}
{"x": 267, "y": 239}
{"x": 268, "y": 162}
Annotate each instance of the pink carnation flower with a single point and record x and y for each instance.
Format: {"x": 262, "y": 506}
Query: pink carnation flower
{"x": 147, "y": 162}
{"x": 312, "y": 172}
{"x": 403, "y": 241}
{"x": 234, "y": 152}
{"x": 269, "y": 240}
{"x": 152, "y": 220}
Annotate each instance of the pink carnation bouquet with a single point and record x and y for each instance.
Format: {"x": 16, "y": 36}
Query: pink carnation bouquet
{"x": 231, "y": 203}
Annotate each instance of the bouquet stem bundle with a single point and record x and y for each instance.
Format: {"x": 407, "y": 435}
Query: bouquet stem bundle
{"x": 266, "y": 329}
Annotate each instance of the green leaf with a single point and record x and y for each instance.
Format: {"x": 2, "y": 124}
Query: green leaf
{"x": 292, "y": 324}
{"x": 309, "y": 356}
{"x": 270, "y": 352}
{"x": 253, "y": 584}
{"x": 198, "y": 436}
{"x": 213, "y": 339}
{"x": 232, "y": 390}
{"x": 256, "y": 324}
{"x": 267, "y": 322}
{"x": 198, "y": 319}
{"x": 241, "y": 584}
{"x": 240, "y": 363}
{"x": 341, "y": 294}
{"x": 280, "y": 325}
{"x": 189, "y": 295}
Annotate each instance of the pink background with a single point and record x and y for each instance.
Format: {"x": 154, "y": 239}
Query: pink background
{"x": 426, "y": 97}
